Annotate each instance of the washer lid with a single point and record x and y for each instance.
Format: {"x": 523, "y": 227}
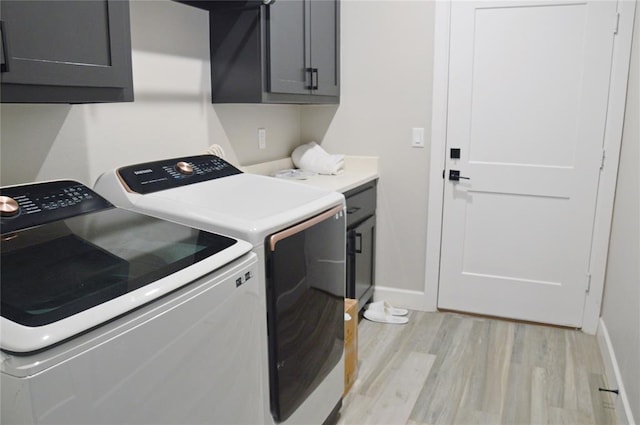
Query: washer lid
{"x": 67, "y": 276}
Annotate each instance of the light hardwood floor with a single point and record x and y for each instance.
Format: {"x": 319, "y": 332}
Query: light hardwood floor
{"x": 448, "y": 368}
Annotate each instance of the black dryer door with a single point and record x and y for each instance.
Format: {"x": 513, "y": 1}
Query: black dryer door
{"x": 305, "y": 307}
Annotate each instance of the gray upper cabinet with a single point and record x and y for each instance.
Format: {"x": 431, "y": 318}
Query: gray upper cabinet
{"x": 284, "y": 52}
{"x": 66, "y": 51}
{"x": 325, "y": 51}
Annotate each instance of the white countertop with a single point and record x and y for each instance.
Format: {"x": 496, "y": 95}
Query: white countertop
{"x": 357, "y": 171}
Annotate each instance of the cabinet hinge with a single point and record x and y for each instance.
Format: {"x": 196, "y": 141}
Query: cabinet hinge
{"x": 617, "y": 23}
{"x": 602, "y": 159}
{"x": 588, "y": 283}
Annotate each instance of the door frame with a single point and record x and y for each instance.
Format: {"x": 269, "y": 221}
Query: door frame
{"x": 608, "y": 175}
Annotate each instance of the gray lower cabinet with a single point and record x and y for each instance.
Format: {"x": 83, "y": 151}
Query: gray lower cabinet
{"x": 282, "y": 52}
{"x": 361, "y": 240}
{"x": 66, "y": 51}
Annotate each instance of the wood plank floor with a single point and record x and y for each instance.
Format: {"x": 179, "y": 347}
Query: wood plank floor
{"x": 448, "y": 368}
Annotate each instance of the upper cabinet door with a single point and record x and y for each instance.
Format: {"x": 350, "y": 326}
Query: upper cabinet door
{"x": 324, "y": 35}
{"x": 303, "y": 47}
{"x": 66, "y": 51}
{"x": 283, "y": 52}
{"x": 289, "y": 47}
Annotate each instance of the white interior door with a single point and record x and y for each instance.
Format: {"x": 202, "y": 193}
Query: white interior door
{"x": 528, "y": 88}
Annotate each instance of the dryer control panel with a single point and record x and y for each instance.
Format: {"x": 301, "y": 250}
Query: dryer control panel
{"x": 155, "y": 176}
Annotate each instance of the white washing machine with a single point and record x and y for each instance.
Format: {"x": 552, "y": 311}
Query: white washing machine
{"x": 298, "y": 233}
{"x": 115, "y": 317}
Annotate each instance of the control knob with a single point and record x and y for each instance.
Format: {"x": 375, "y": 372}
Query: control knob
{"x": 184, "y": 168}
{"x": 8, "y": 206}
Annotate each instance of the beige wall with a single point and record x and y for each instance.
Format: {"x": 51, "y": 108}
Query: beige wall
{"x": 386, "y": 90}
{"x": 387, "y": 66}
{"x": 621, "y": 305}
{"x": 171, "y": 116}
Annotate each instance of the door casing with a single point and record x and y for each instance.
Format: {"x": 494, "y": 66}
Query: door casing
{"x": 608, "y": 176}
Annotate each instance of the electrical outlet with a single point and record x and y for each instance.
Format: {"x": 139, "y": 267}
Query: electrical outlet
{"x": 417, "y": 138}
{"x": 262, "y": 138}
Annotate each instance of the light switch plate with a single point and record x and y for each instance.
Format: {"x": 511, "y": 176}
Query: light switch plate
{"x": 417, "y": 138}
{"x": 262, "y": 138}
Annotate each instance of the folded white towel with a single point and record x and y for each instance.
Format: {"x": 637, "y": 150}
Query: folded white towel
{"x": 312, "y": 157}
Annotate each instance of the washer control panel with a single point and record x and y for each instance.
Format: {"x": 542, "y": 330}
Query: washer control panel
{"x": 34, "y": 204}
{"x": 155, "y": 176}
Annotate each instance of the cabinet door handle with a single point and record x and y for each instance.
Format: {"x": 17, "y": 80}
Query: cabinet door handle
{"x": 313, "y": 79}
{"x": 4, "y": 49}
{"x": 309, "y": 72}
{"x": 358, "y": 243}
{"x": 351, "y": 241}
{"x": 352, "y": 210}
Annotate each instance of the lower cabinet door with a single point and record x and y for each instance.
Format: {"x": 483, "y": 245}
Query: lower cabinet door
{"x": 360, "y": 265}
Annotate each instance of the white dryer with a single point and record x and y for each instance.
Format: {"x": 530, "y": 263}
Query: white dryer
{"x": 298, "y": 233}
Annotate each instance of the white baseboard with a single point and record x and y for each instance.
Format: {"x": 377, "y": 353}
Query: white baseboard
{"x": 614, "y": 379}
{"x": 413, "y": 300}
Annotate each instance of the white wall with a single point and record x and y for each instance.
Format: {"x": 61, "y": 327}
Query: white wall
{"x": 171, "y": 116}
{"x": 621, "y": 304}
{"x": 387, "y": 63}
{"x": 386, "y": 90}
